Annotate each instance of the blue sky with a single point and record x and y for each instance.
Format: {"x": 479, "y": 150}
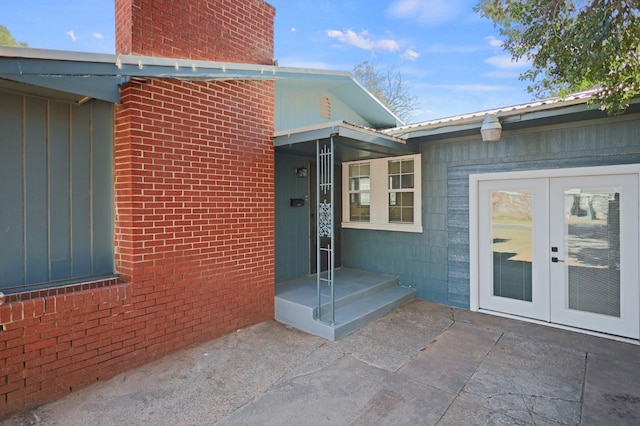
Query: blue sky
{"x": 450, "y": 57}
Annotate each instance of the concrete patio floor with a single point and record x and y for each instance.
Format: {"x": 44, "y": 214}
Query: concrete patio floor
{"x": 421, "y": 364}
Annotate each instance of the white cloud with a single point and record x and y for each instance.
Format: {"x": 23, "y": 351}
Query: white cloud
{"x": 72, "y": 36}
{"x": 506, "y": 62}
{"x": 363, "y": 40}
{"x": 410, "y": 55}
{"x": 98, "y": 36}
{"x": 430, "y": 12}
{"x": 505, "y": 67}
{"x": 293, "y": 29}
{"x": 494, "y": 42}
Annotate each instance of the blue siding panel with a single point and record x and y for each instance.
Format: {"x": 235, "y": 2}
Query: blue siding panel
{"x": 36, "y": 190}
{"x": 292, "y": 223}
{"x": 59, "y": 186}
{"x": 11, "y": 191}
{"x": 102, "y": 184}
{"x": 53, "y": 157}
{"x": 439, "y": 261}
{"x": 81, "y": 228}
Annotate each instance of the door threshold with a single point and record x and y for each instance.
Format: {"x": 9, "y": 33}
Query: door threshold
{"x": 562, "y": 327}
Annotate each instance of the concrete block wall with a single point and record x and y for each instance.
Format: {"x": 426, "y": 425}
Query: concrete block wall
{"x": 193, "y": 219}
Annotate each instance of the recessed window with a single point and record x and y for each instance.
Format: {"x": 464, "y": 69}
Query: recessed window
{"x": 383, "y": 194}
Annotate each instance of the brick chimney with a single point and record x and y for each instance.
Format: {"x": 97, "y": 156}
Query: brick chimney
{"x": 238, "y": 31}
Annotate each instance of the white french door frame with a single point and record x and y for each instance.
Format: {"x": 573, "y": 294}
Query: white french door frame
{"x": 475, "y": 232}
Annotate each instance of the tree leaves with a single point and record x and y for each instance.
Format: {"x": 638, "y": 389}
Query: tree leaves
{"x": 6, "y": 39}
{"x": 573, "y": 45}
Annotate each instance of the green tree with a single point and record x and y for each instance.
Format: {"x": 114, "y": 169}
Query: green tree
{"x": 388, "y": 86}
{"x": 6, "y": 39}
{"x": 573, "y": 45}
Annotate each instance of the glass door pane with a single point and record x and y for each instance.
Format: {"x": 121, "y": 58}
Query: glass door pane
{"x": 592, "y": 240}
{"x": 594, "y": 253}
{"x": 511, "y": 243}
{"x": 513, "y": 223}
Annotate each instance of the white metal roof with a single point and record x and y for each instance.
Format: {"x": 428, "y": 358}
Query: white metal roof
{"x": 504, "y": 113}
{"x": 49, "y": 68}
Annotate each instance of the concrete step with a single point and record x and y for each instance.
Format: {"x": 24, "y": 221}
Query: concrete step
{"x": 384, "y": 282}
{"x": 358, "y": 313}
{"x": 360, "y": 298}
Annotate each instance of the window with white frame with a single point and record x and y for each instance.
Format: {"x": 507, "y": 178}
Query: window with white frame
{"x": 383, "y": 194}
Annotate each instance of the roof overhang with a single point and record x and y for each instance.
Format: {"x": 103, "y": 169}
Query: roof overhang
{"x": 540, "y": 113}
{"x": 351, "y": 142}
{"x": 76, "y": 76}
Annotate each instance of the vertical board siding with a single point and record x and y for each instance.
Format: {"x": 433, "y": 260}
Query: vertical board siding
{"x": 102, "y": 187}
{"x": 36, "y": 191}
{"x": 81, "y": 193}
{"x": 11, "y": 190}
{"x": 48, "y": 189}
{"x": 292, "y": 223}
{"x": 439, "y": 267}
{"x": 59, "y": 184}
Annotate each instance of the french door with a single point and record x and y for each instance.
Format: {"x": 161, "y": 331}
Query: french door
{"x": 562, "y": 250}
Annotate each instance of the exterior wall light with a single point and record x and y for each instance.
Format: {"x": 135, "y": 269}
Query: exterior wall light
{"x": 491, "y": 128}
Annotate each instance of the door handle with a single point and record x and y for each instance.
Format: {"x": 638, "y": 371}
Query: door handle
{"x": 556, "y": 260}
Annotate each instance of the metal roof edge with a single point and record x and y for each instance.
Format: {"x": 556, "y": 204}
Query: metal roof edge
{"x": 335, "y": 128}
{"x": 472, "y": 120}
{"x": 176, "y": 63}
{"x": 59, "y": 55}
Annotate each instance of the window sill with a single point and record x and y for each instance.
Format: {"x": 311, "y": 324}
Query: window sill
{"x": 395, "y": 227}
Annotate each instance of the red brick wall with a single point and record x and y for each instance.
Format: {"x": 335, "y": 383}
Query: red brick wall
{"x": 51, "y": 345}
{"x": 213, "y": 30}
{"x": 194, "y": 196}
{"x": 194, "y": 187}
{"x": 194, "y": 213}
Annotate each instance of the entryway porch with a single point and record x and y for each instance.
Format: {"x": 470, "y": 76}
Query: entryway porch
{"x": 360, "y": 297}
{"x": 309, "y": 232}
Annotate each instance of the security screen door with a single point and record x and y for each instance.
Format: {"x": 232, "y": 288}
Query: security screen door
{"x": 562, "y": 250}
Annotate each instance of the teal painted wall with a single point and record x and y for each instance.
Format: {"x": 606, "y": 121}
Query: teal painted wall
{"x": 56, "y": 191}
{"x": 297, "y": 108}
{"x": 437, "y": 261}
{"x": 292, "y": 223}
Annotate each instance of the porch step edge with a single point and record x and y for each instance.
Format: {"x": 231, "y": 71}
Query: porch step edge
{"x": 356, "y": 315}
{"x": 391, "y": 282}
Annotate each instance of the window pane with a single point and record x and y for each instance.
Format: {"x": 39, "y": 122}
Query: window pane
{"x": 592, "y": 224}
{"x": 365, "y": 183}
{"x": 394, "y": 182}
{"x": 359, "y": 207}
{"x": 354, "y": 184}
{"x": 407, "y": 199}
{"x": 395, "y": 214}
{"x": 511, "y": 243}
{"x": 394, "y": 167}
{"x": 407, "y": 215}
{"x": 401, "y": 207}
{"x": 406, "y": 181}
{"x": 407, "y": 166}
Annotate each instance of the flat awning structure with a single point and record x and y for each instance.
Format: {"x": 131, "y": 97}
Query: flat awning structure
{"x": 352, "y": 142}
